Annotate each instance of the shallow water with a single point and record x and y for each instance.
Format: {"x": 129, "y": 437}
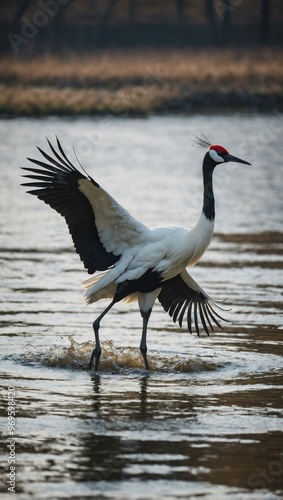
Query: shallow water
{"x": 206, "y": 421}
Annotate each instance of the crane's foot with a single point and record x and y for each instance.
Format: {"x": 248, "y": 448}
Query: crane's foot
{"x": 95, "y": 354}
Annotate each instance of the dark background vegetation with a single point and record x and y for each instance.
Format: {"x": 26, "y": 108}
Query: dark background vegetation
{"x": 88, "y": 25}
{"x": 138, "y": 57}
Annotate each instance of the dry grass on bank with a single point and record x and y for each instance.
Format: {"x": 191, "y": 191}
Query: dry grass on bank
{"x": 140, "y": 82}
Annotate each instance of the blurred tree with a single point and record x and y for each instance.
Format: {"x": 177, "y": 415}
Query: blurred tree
{"x": 103, "y": 21}
{"x": 56, "y": 32}
{"x": 132, "y": 22}
{"x": 181, "y": 21}
{"x": 210, "y": 13}
{"x": 265, "y": 22}
{"x": 226, "y": 23}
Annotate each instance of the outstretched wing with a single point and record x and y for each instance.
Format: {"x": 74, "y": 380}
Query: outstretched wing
{"x": 101, "y": 229}
{"x": 182, "y": 295}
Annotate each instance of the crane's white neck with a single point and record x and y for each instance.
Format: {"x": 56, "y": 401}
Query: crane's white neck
{"x": 201, "y": 234}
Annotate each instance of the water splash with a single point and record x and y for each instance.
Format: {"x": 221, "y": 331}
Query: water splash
{"x": 76, "y": 356}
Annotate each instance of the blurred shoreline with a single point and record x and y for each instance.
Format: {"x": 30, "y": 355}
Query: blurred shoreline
{"x": 142, "y": 82}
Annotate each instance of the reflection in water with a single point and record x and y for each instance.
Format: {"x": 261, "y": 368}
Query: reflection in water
{"x": 206, "y": 421}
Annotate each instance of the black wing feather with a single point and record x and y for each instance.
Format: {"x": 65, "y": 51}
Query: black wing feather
{"x": 62, "y": 159}
{"x": 56, "y": 183}
{"x": 181, "y": 315}
{"x": 200, "y": 305}
{"x": 189, "y": 316}
{"x": 63, "y": 152}
{"x": 177, "y": 297}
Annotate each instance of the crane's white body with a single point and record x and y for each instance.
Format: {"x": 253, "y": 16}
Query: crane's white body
{"x": 165, "y": 249}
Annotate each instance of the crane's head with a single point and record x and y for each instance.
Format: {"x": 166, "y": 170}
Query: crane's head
{"x": 216, "y": 154}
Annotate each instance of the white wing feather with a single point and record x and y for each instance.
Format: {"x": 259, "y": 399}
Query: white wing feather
{"x": 116, "y": 228}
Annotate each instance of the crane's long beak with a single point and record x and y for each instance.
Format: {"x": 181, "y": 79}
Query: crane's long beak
{"x": 235, "y": 159}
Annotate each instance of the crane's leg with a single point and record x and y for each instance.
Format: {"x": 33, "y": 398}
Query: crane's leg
{"x": 97, "y": 350}
{"x": 143, "y": 346}
{"x": 146, "y": 301}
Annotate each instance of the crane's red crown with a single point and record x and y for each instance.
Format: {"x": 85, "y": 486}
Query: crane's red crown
{"x": 219, "y": 149}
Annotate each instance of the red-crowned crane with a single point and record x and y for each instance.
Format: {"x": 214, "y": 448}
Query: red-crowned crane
{"x": 137, "y": 263}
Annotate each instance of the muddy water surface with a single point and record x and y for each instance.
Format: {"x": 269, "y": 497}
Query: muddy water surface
{"x": 206, "y": 421}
